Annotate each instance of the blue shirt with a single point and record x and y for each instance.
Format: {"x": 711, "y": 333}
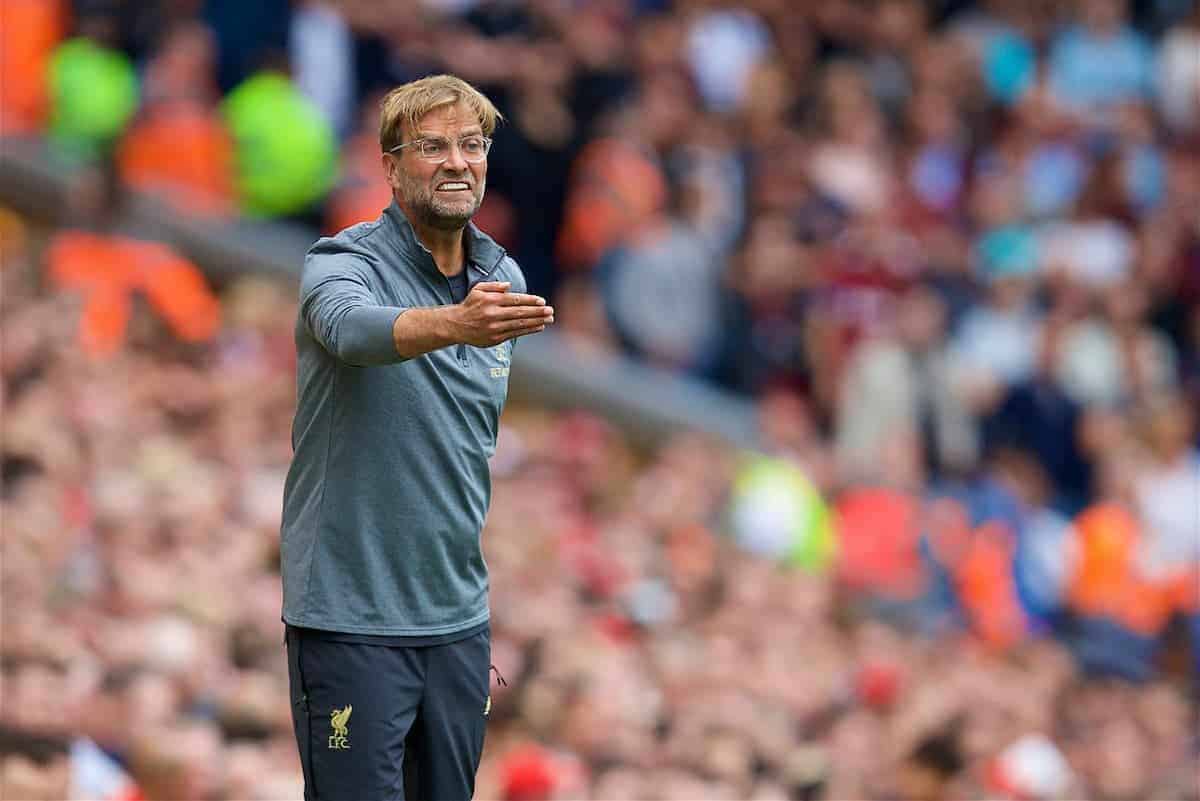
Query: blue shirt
{"x": 1089, "y": 71}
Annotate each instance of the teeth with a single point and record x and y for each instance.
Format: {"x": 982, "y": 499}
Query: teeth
{"x": 453, "y": 186}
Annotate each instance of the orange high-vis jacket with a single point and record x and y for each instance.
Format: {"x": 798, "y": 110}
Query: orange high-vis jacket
{"x": 986, "y": 588}
{"x": 1106, "y": 581}
{"x": 29, "y": 32}
{"x": 182, "y": 149}
{"x": 614, "y": 188}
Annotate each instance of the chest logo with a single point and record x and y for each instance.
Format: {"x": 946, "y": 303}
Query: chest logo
{"x": 502, "y": 353}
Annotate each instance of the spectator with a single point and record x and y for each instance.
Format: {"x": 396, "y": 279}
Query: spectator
{"x": 997, "y": 340}
{"x": 32, "y": 28}
{"x": 1179, "y": 77}
{"x": 1037, "y": 416}
{"x": 1166, "y": 490}
{"x": 178, "y": 147}
{"x": 361, "y": 194}
{"x": 904, "y": 383}
{"x": 321, "y": 47}
{"x": 1102, "y": 61}
{"x": 724, "y": 45}
{"x": 768, "y": 291}
{"x": 1114, "y": 358}
{"x": 615, "y": 187}
{"x": 1095, "y": 247}
{"x": 848, "y": 165}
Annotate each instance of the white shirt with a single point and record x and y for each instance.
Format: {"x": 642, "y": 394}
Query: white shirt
{"x": 1168, "y": 498}
{"x": 723, "y": 48}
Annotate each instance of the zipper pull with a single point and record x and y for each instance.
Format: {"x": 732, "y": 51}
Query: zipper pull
{"x": 499, "y": 679}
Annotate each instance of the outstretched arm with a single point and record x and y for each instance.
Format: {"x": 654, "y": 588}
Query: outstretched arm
{"x": 489, "y": 315}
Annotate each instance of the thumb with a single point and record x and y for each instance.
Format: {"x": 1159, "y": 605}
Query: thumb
{"x": 493, "y": 286}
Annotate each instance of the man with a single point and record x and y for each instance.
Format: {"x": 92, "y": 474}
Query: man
{"x": 404, "y": 337}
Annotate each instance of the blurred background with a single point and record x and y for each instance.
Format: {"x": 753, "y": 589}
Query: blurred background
{"x": 862, "y": 463}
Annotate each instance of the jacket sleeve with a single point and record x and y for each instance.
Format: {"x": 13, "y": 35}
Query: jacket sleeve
{"x": 340, "y": 309}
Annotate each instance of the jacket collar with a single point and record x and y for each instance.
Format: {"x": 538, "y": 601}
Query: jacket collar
{"x": 481, "y": 251}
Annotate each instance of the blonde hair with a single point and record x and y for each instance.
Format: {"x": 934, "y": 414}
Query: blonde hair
{"x": 407, "y": 104}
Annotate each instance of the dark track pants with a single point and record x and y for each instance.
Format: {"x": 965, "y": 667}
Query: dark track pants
{"x": 382, "y": 723}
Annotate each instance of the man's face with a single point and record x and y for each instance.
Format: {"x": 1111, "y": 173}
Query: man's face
{"x": 445, "y": 195}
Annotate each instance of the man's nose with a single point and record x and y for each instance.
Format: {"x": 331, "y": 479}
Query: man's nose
{"x": 455, "y": 161}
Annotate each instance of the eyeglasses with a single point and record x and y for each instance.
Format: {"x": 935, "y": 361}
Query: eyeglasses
{"x": 435, "y": 149}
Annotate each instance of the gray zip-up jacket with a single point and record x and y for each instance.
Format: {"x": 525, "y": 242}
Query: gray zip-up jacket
{"x": 389, "y": 485}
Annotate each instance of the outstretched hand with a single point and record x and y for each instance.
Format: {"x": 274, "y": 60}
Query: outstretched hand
{"x": 491, "y": 314}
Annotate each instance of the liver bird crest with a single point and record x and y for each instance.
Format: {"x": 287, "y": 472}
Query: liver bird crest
{"x": 338, "y": 718}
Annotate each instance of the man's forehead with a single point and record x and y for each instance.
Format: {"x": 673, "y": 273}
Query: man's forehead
{"x": 459, "y": 118}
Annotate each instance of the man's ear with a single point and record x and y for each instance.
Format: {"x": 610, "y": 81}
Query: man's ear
{"x": 390, "y": 168}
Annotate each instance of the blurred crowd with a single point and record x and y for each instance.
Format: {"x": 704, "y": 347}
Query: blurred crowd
{"x": 679, "y": 622}
{"x": 951, "y": 249}
{"x": 654, "y": 646}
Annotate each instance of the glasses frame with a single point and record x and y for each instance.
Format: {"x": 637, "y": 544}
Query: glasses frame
{"x": 487, "y": 148}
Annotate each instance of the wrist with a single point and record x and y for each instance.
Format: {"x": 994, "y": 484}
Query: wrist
{"x": 449, "y": 324}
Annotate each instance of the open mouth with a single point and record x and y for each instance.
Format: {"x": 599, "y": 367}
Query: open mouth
{"x": 453, "y": 186}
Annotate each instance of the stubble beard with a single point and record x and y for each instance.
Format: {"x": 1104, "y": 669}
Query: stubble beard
{"x": 434, "y": 212}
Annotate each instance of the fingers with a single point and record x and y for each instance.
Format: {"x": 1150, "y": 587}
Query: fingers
{"x": 502, "y": 297}
{"x": 519, "y": 328}
{"x": 521, "y": 333}
{"x": 525, "y": 312}
{"x": 518, "y": 299}
{"x": 518, "y": 324}
{"x": 510, "y": 298}
{"x": 506, "y": 315}
{"x": 527, "y": 333}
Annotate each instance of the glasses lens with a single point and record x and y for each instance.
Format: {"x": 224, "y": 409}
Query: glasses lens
{"x": 434, "y": 149}
{"x": 474, "y": 148}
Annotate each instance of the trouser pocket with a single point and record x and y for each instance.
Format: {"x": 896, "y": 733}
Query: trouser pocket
{"x": 357, "y": 703}
{"x": 301, "y": 710}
